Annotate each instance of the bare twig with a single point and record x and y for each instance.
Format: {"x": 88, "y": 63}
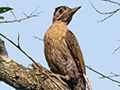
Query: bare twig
{"x": 116, "y": 49}
{"x": 25, "y": 14}
{"x": 12, "y": 12}
{"x": 18, "y": 40}
{"x": 105, "y": 12}
{"x": 119, "y": 40}
{"x": 114, "y": 75}
{"x": 38, "y": 38}
{"x": 19, "y": 48}
{"x": 34, "y": 11}
{"x": 106, "y": 18}
{"x": 102, "y": 75}
{"x": 112, "y": 1}
{"x": 26, "y": 17}
{"x": 110, "y": 13}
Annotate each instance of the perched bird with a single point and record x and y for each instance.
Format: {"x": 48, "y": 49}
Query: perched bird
{"x": 62, "y": 50}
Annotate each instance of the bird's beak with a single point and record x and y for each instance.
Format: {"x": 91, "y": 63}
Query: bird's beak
{"x": 72, "y": 11}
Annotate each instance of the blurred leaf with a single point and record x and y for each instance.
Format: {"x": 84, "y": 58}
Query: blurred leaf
{"x": 1, "y": 17}
{"x": 4, "y": 9}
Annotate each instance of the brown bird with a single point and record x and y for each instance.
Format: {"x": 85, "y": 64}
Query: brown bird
{"x": 62, "y": 50}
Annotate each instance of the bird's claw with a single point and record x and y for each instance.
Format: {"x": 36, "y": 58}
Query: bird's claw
{"x": 60, "y": 77}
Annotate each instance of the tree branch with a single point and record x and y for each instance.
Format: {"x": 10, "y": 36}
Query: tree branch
{"x": 112, "y": 2}
{"x": 2, "y": 48}
{"x": 109, "y": 13}
{"x": 18, "y": 48}
{"x": 103, "y": 75}
{"x": 23, "y": 78}
{"x": 26, "y": 17}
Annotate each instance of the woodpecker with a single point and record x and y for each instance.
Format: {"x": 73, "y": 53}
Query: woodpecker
{"x": 62, "y": 50}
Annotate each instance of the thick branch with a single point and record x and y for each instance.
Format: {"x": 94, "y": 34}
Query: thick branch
{"x": 2, "y": 48}
{"x": 24, "y": 78}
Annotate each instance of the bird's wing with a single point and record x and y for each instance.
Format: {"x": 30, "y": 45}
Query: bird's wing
{"x": 74, "y": 48}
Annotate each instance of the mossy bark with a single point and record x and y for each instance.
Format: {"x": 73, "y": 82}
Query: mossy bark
{"x": 23, "y": 78}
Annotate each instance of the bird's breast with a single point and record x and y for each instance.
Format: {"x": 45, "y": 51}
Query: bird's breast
{"x": 55, "y": 48}
{"x": 56, "y": 33}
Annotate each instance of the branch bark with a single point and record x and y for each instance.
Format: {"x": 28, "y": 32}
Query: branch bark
{"x": 23, "y": 78}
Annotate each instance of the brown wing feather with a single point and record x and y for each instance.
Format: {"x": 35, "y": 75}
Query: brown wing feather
{"x": 63, "y": 54}
{"x": 75, "y": 50}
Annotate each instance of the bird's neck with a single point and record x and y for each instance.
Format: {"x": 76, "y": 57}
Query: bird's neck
{"x": 60, "y": 22}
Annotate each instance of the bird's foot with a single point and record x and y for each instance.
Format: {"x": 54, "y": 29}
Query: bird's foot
{"x": 35, "y": 66}
{"x": 60, "y": 78}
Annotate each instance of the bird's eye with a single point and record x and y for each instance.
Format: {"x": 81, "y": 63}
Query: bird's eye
{"x": 61, "y": 11}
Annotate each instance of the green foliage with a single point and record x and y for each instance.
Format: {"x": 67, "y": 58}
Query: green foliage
{"x": 3, "y": 10}
{"x": 1, "y": 17}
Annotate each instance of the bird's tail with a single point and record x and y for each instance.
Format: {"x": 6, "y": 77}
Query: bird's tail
{"x": 81, "y": 84}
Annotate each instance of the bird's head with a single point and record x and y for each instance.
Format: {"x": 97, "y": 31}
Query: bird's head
{"x": 64, "y": 14}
